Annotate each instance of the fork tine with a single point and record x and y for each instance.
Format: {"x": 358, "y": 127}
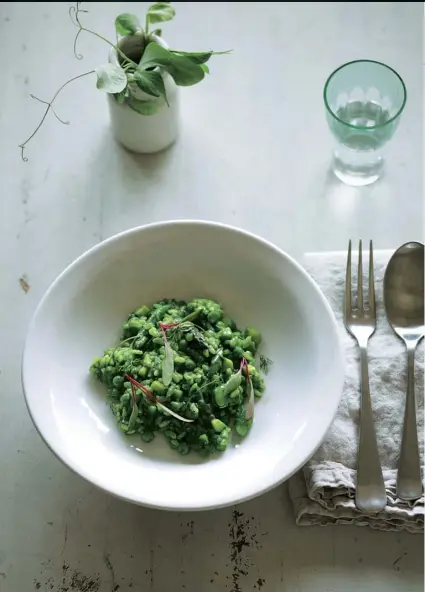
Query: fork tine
{"x": 371, "y": 282}
{"x": 360, "y": 279}
{"x": 348, "y": 283}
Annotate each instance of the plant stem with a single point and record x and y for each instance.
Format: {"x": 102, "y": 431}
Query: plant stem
{"x": 146, "y": 25}
{"x": 117, "y": 49}
{"x": 49, "y": 106}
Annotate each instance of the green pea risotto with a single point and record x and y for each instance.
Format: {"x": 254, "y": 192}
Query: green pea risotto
{"x": 183, "y": 369}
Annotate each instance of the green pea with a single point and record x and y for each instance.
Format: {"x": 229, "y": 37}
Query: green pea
{"x": 179, "y": 360}
{"x": 233, "y": 342}
{"x": 243, "y": 427}
{"x": 214, "y": 316}
{"x": 152, "y": 410}
{"x": 135, "y": 325}
{"x": 221, "y": 443}
{"x": 118, "y": 381}
{"x": 218, "y": 425}
{"x": 229, "y": 322}
{"x": 193, "y": 410}
{"x": 189, "y": 377}
{"x": 184, "y": 448}
{"x": 220, "y": 397}
{"x": 238, "y": 351}
{"x": 233, "y": 382}
{"x": 170, "y": 434}
{"x": 248, "y": 356}
{"x": 225, "y": 334}
{"x": 147, "y": 360}
{"x": 143, "y": 311}
{"x": 174, "y": 443}
{"x": 254, "y": 334}
{"x": 176, "y": 406}
{"x": 203, "y": 440}
{"x": 142, "y": 371}
{"x": 140, "y": 342}
{"x": 177, "y": 377}
{"x": 158, "y": 388}
{"x": 236, "y": 395}
{"x": 125, "y": 398}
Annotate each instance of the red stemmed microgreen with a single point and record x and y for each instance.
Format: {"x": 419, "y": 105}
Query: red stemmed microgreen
{"x": 149, "y": 395}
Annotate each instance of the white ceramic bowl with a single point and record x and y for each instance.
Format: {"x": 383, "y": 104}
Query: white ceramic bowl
{"x": 258, "y": 285}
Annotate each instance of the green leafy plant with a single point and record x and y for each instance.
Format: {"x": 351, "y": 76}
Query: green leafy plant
{"x": 140, "y": 68}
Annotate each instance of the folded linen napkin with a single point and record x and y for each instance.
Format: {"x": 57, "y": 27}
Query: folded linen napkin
{"x": 322, "y": 492}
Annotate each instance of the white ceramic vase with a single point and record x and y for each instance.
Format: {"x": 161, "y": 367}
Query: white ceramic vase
{"x": 140, "y": 133}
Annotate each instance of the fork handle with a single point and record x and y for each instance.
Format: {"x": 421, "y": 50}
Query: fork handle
{"x": 370, "y": 489}
{"x": 409, "y": 482}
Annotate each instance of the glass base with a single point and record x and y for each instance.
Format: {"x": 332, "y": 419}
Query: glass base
{"x": 356, "y": 168}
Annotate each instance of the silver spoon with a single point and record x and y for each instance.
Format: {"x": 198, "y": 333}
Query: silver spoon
{"x": 404, "y": 304}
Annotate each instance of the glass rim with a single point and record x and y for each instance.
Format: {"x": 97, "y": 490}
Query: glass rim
{"x": 364, "y": 127}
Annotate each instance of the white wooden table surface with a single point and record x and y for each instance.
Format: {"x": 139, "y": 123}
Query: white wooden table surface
{"x": 253, "y": 152}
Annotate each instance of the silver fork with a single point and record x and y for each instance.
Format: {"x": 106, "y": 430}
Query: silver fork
{"x": 360, "y": 322}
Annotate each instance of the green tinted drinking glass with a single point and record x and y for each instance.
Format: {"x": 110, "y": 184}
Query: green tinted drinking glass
{"x": 364, "y": 100}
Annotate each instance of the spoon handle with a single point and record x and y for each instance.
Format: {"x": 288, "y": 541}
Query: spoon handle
{"x": 409, "y": 482}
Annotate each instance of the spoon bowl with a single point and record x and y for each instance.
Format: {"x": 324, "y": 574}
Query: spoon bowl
{"x": 404, "y": 291}
{"x": 404, "y": 305}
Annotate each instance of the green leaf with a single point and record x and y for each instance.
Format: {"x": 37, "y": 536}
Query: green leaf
{"x": 184, "y": 72}
{"x": 111, "y": 78}
{"x": 182, "y": 69}
{"x": 120, "y": 97}
{"x": 205, "y": 68}
{"x": 198, "y": 57}
{"x": 143, "y": 107}
{"x": 127, "y": 24}
{"x": 150, "y": 82}
{"x": 168, "y": 365}
{"x": 154, "y": 55}
{"x": 249, "y": 404}
{"x": 160, "y": 12}
{"x": 133, "y": 417}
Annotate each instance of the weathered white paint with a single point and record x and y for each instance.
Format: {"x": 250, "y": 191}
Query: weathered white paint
{"x": 253, "y": 151}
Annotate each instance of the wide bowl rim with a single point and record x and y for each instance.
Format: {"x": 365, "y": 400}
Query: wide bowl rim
{"x": 338, "y": 365}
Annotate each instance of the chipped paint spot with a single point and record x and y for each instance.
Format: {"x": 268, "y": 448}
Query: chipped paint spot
{"x": 71, "y": 581}
{"x": 114, "y": 586}
{"x": 238, "y": 544}
{"x": 24, "y": 284}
